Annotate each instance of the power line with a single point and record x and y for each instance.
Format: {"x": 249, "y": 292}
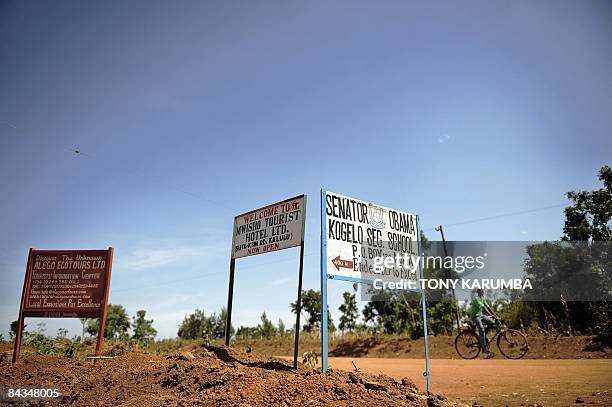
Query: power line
{"x": 9, "y": 124}
{"x": 78, "y": 152}
{"x": 502, "y": 215}
{"x": 169, "y": 186}
{"x": 206, "y": 275}
{"x": 169, "y": 282}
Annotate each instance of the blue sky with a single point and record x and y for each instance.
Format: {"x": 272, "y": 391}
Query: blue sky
{"x": 187, "y": 113}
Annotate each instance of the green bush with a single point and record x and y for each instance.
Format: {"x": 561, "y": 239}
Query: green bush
{"x": 44, "y": 345}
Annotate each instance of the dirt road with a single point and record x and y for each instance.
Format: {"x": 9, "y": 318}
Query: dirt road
{"x": 502, "y": 381}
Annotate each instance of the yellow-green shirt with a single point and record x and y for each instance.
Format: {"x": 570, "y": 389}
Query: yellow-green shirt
{"x": 477, "y": 307}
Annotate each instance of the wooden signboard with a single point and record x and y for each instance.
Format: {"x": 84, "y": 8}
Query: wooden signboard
{"x": 65, "y": 284}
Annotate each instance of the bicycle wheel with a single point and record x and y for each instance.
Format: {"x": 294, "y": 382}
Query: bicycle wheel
{"x": 512, "y": 344}
{"x": 467, "y": 345}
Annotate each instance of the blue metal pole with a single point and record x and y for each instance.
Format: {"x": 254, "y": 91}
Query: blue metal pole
{"x": 424, "y": 306}
{"x": 323, "y": 285}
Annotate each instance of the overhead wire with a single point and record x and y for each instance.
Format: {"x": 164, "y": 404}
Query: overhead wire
{"x": 78, "y": 152}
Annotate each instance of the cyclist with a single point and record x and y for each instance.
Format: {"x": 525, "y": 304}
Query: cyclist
{"x": 481, "y": 314}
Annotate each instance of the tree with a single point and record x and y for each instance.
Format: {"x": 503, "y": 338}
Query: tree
{"x": 440, "y": 316}
{"x": 62, "y": 333}
{"x": 311, "y": 304}
{"x": 84, "y": 322}
{"x": 588, "y": 218}
{"x": 13, "y": 331}
{"x": 195, "y": 326}
{"x": 266, "y": 327}
{"x": 143, "y": 328}
{"x": 248, "y": 332}
{"x": 349, "y": 310}
{"x": 117, "y": 323}
{"x": 219, "y": 324}
{"x": 392, "y": 313}
{"x": 566, "y": 273}
{"x": 281, "y": 328}
{"x": 198, "y": 325}
{"x": 398, "y": 311}
{"x": 41, "y": 327}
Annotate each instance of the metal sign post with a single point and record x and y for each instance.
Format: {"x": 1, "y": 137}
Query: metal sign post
{"x": 323, "y": 285}
{"x": 274, "y": 227}
{"x": 230, "y": 300}
{"x": 298, "y": 308}
{"x": 424, "y": 306}
{"x": 347, "y": 256}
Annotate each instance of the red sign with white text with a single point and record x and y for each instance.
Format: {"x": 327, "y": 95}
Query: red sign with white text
{"x": 65, "y": 284}
{"x": 68, "y": 283}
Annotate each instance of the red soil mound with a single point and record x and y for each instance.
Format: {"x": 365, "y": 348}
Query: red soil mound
{"x": 212, "y": 376}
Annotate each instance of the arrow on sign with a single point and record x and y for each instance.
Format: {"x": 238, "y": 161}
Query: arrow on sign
{"x": 338, "y": 262}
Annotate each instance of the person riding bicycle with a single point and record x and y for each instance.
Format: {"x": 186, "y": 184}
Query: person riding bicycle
{"x": 481, "y": 312}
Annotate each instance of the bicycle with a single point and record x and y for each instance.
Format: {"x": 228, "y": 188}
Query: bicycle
{"x": 510, "y": 342}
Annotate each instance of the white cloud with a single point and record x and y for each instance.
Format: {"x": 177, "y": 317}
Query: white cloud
{"x": 281, "y": 281}
{"x": 249, "y": 316}
{"x": 142, "y": 259}
{"x": 444, "y": 137}
{"x": 159, "y": 254}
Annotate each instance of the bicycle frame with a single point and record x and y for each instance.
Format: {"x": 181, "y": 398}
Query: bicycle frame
{"x": 499, "y": 328}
